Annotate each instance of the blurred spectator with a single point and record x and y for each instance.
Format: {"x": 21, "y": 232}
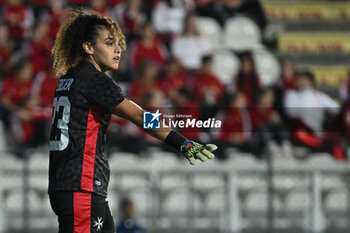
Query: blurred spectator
{"x": 263, "y": 113}
{"x": 99, "y": 6}
{"x": 40, "y": 48}
{"x": 267, "y": 125}
{"x": 21, "y": 124}
{"x": 144, "y": 82}
{"x": 190, "y": 47}
{"x": 207, "y": 88}
{"x": 248, "y": 81}
{"x": 172, "y": 79}
{"x": 236, "y": 124}
{"x": 148, "y": 8}
{"x": 187, "y": 106}
{"x": 344, "y": 88}
{"x": 130, "y": 18}
{"x": 148, "y": 47}
{"x": 248, "y": 132}
{"x": 38, "y": 6}
{"x": 54, "y": 16}
{"x": 307, "y": 108}
{"x": 289, "y": 78}
{"x": 75, "y": 3}
{"x": 30, "y": 126}
{"x": 113, "y": 3}
{"x": 18, "y": 18}
{"x": 223, "y": 10}
{"x": 128, "y": 223}
{"x": 345, "y": 116}
{"x": 14, "y": 94}
{"x": 44, "y": 88}
{"x": 152, "y": 101}
{"x": 287, "y": 82}
{"x": 5, "y": 50}
{"x": 15, "y": 89}
{"x": 306, "y": 96}
{"x": 345, "y": 113}
{"x": 168, "y": 16}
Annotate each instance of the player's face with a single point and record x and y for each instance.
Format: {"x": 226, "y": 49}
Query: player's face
{"x": 106, "y": 50}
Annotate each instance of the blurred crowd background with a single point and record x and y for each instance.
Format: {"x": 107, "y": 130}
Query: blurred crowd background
{"x": 276, "y": 73}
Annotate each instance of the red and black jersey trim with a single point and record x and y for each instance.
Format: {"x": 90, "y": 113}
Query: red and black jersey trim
{"x": 91, "y": 137}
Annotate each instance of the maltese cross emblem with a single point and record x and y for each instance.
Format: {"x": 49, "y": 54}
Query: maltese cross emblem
{"x": 98, "y": 224}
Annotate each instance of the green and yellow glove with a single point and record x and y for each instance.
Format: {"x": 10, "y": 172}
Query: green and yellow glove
{"x": 193, "y": 151}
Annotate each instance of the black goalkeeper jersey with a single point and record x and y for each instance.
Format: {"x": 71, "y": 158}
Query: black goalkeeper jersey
{"x": 84, "y": 98}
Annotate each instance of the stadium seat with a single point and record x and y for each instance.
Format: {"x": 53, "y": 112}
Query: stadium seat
{"x": 257, "y": 202}
{"x": 332, "y": 182}
{"x": 243, "y": 160}
{"x": 284, "y": 182}
{"x": 321, "y": 159}
{"x": 142, "y": 202}
{"x": 16, "y": 221}
{"x": 337, "y": 201}
{"x": 205, "y": 223}
{"x": 12, "y": 181}
{"x": 267, "y": 65}
{"x": 133, "y": 181}
{"x": 123, "y": 159}
{"x": 169, "y": 181}
{"x": 208, "y": 182}
{"x": 180, "y": 202}
{"x": 251, "y": 182}
{"x": 40, "y": 223}
{"x": 39, "y": 181}
{"x": 14, "y": 202}
{"x": 36, "y": 204}
{"x": 216, "y": 202}
{"x": 241, "y": 33}
{"x": 3, "y": 146}
{"x": 226, "y": 66}
{"x": 209, "y": 28}
{"x": 162, "y": 160}
{"x": 10, "y": 162}
{"x": 298, "y": 201}
{"x": 39, "y": 161}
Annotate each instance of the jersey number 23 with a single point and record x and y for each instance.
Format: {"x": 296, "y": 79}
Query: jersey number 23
{"x": 59, "y": 138}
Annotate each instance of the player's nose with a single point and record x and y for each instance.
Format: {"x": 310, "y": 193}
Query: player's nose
{"x": 117, "y": 49}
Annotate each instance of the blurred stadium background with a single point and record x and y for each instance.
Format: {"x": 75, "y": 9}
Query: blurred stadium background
{"x": 276, "y": 170}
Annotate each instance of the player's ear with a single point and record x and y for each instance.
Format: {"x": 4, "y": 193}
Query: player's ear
{"x": 87, "y": 47}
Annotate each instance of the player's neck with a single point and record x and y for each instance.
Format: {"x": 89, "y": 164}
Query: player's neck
{"x": 92, "y": 60}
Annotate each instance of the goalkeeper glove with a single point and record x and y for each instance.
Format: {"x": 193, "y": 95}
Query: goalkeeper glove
{"x": 193, "y": 151}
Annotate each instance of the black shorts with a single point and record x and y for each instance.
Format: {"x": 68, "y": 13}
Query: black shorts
{"x": 82, "y": 212}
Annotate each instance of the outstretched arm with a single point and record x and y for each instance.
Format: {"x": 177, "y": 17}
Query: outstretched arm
{"x": 129, "y": 110}
{"x": 191, "y": 150}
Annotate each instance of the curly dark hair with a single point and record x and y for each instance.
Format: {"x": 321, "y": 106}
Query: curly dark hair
{"x": 81, "y": 26}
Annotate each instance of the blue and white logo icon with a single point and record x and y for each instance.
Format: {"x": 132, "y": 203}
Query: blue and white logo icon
{"x": 151, "y": 120}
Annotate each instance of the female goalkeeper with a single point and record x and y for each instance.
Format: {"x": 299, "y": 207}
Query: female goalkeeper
{"x": 87, "y": 46}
